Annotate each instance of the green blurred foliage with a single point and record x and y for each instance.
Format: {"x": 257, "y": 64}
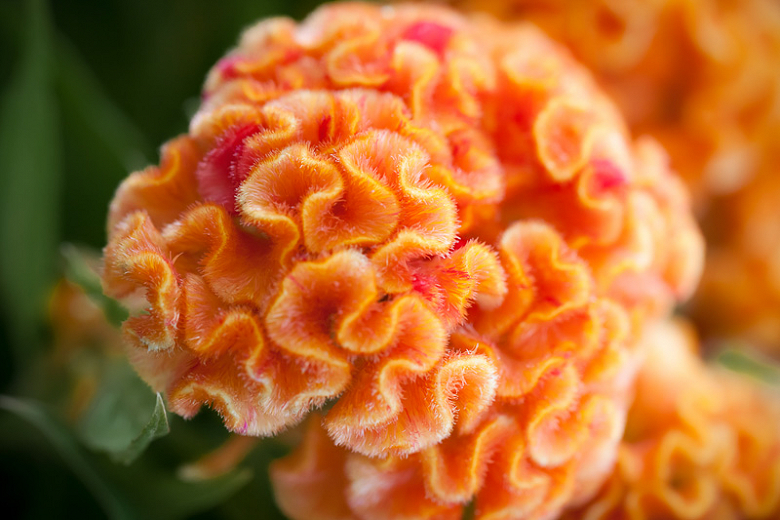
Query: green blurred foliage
{"x": 141, "y": 491}
{"x": 78, "y": 270}
{"x": 30, "y": 185}
{"x": 89, "y": 90}
{"x": 741, "y": 358}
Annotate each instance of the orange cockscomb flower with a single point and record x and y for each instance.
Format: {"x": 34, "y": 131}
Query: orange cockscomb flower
{"x": 438, "y": 227}
{"x": 700, "y": 442}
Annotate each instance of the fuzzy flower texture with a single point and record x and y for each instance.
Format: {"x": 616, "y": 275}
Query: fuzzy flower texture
{"x": 433, "y": 236}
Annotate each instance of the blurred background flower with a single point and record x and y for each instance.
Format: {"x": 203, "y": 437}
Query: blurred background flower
{"x": 703, "y": 77}
{"x": 700, "y": 442}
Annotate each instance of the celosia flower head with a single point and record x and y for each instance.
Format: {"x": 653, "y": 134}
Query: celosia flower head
{"x": 437, "y": 226}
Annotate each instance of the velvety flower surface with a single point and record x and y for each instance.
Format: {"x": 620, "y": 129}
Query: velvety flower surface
{"x": 700, "y": 443}
{"x": 702, "y": 77}
{"x": 435, "y": 228}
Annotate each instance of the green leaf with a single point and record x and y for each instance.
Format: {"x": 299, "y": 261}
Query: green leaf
{"x": 143, "y": 491}
{"x": 114, "y": 504}
{"x": 29, "y": 187}
{"x": 154, "y": 429}
{"x": 164, "y": 496}
{"x": 79, "y": 271}
{"x": 751, "y": 364}
{"x": 258, "y": 495}
{"x": 124, "y": 416}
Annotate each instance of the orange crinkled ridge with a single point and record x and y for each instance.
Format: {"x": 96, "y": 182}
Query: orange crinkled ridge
{"x": 436, "y": 226}
{"x": 700, "y": 442}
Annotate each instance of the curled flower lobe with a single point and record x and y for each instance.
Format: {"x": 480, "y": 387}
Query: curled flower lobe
{"x": 142, "y": 265}
{"x": 164, "y": 191}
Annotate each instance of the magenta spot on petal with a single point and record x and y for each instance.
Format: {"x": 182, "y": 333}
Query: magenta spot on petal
{"x": 218, "y": 173}
{"x": 324, "y": 129}
{"x": 607, "y": 176}
{"x": 460, "y": 242}
{"x": 227, "y": 67}
{"x": 433, "y": 35}
{"x": 423, "y": 283}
